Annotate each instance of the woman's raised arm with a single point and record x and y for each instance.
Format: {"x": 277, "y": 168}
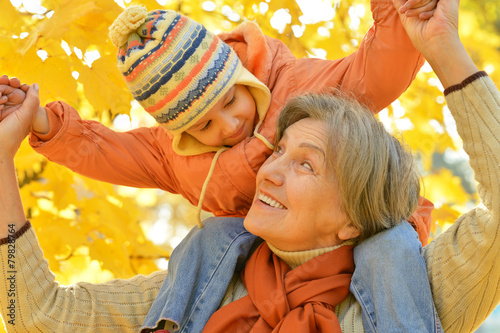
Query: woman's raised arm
{"x": 462, "y": 263}
{"x": 30, "y": 298}
{"x": 13, "y": 129}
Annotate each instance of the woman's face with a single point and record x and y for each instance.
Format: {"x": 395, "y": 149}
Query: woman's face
{"x": 296, "y": 205}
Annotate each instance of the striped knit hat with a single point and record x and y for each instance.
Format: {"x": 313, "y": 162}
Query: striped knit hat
{"x": 177, "y": 70}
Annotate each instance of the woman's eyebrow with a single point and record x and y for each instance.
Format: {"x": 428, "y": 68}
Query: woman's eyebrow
{"x": 313, "y": 147}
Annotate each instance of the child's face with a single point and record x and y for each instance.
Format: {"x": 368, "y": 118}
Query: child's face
{"x": 229, "y": 121}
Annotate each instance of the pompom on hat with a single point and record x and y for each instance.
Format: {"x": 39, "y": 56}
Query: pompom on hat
{"x": 177, "y": 70}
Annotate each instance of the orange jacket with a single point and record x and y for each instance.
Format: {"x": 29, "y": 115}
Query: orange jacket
{"x": 380, "y": 71}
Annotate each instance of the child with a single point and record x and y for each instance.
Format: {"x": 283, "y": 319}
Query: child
{"x": 211, "y": 98}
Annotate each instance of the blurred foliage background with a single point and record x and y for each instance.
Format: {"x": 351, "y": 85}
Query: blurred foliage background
{"x": 91, "y": 231}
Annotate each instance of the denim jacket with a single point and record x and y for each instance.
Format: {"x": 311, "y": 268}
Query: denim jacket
{"x": 390, "y": 280}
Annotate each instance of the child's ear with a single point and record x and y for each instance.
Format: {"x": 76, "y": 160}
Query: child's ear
{"x": 348, "y": 231}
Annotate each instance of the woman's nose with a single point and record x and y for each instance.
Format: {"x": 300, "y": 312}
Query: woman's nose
{"x": 274, "y": 170}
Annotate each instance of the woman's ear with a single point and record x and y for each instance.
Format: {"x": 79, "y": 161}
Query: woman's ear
{"x": 348, "y": 231}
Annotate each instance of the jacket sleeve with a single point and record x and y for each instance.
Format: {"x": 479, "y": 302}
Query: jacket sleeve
{"x": 32, "y": 301}
{"x": 463, "y": 266}
{"x": 136, "y": 158}
{"x": 379, "y": 71}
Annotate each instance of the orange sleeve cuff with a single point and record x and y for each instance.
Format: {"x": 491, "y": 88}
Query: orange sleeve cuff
{"x": 55, "y": 124}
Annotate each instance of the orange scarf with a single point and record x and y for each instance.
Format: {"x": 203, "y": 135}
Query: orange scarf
{"x": 283, "y": 300}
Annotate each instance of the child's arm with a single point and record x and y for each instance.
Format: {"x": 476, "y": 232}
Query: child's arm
{"x": 87, "y": 147}
{"x": 142, "y": 157}
{"x": 134, "y": 158}
{"x": 378, "y": 72}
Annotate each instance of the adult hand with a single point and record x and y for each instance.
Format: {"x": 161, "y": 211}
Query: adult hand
{"x": 429, "y": 35}
{"x": 16, "y": 126}
{"x": 424, "y": 9}
{"x": 438, "y": 40}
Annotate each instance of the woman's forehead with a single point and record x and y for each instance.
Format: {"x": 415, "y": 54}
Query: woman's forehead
{"x": 307, "y": 130}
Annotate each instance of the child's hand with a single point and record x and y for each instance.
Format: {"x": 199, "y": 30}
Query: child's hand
{"x": 424, "y": 9}
{"x": 12, "y": 95}
{"x": 13, "y": 82}
{"x": 10, "y": 100}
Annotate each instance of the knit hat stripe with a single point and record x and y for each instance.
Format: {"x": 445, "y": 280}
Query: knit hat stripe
{"x": 152, "y": 23}
{"x": 220, "y": 66}
{"x": 150, "y": 58}
{"x": 151, "y": 26}
{"x": 204, "y": 103}
{"x": 142, "y": 62}
{"x": 192, "y": 117}
{"x": 213, "y": 52}
{"x": 170, "y": 89}
{"x": 176, "y": 60}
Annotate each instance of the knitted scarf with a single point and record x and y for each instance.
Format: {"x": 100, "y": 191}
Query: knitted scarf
{"x": 283, "y": 300}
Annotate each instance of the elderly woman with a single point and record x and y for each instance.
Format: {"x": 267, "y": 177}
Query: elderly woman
{"x": 302, "y": 227}
{"x": 306, "y": 230}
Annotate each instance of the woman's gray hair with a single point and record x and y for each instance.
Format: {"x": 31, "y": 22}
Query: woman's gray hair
{"x": 377, "y": 177}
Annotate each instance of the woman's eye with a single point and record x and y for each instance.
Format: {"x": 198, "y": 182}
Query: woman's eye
{"x": 278, "y": 150}
{"x": 307, "y": 165}
{"x": 207, "y": 125}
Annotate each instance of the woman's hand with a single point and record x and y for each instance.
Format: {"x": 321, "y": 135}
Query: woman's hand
{"x": 429, "y": 35}
{"x": 15, "y": 126}
{"x": 12, "y": 95}
{"x": 438, "y": 40}
{"x": 424, "y": 9}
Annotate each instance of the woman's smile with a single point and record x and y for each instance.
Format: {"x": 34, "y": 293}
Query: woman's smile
{"x": 267, "y": 200}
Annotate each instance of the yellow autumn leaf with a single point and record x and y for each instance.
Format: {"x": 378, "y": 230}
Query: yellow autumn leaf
{"x": 452, "y": 193}
{"x": 105, "y": 89}
{"x": 28, "y": 163}
{"x": 55, "y": 26}
{"x": 91, "y": 231}
{"x": 11, "y": 20}
{"x": 81, "y": 268}
{"x": 445, "y": 216}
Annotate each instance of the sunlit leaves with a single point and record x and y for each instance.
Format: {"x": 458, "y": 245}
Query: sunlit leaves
{"x": 104, "y": 86}
{"x": 90, "y": 230}
{"x": 451, "y": 194}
